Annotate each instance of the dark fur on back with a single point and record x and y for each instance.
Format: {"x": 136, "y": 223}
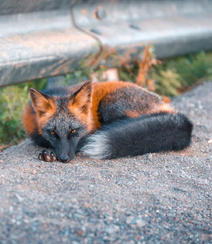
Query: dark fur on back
{"x": 137, "y": 136}
{"x": 115, "y": 104}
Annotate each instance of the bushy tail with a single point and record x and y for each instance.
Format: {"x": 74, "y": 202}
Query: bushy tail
{"x": 136, "y": 136}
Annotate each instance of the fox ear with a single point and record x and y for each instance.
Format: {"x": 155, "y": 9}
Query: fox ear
{"x": 81, "y": 99}
{"x": 41, "y": 102}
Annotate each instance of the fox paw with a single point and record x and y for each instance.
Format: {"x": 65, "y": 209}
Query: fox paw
{"x": 47, "y": 155}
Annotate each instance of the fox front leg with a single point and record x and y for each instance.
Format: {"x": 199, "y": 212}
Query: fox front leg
{"x": 47, "y": 155}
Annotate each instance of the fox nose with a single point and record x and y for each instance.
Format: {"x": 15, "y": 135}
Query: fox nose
{"x": 63, "y": 158}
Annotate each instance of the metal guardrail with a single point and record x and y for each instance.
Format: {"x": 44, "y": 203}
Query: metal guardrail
{"x": 46, "y": 38}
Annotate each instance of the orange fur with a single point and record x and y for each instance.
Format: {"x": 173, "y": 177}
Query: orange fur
{"x": 42, "y": 120}
{"x": 80, "y": 105}
{"x": 100, "y": 90}
{"x": 29, "y": 119}
{"x": 164, "y": 107}
{"x": 33, "y": 122}
{"x": 44, "y": 108}
{"x": 132, "y": 114}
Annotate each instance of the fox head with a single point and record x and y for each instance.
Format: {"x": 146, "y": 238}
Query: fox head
{"x": 63, "y": 120}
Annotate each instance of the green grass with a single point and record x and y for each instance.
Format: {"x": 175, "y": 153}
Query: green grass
{"x": 182, "y": 72}
{"x": 12, "y": 101}
{"x": 171, "y": 78}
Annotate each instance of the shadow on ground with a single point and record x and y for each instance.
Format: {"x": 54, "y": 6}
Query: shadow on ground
{"x": 154, "y": 198}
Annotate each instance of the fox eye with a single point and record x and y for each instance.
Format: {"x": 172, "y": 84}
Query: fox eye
{"x": 54, "y": 133}
{"x": 73, "y": 131}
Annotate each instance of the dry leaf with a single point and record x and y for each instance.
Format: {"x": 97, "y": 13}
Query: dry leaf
{"x": 145, "y": 64}
{"x": 151, "y": 85}
{"x": 166, "y": 99}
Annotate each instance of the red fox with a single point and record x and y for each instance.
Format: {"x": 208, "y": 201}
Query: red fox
{"x": 103, "y": 120}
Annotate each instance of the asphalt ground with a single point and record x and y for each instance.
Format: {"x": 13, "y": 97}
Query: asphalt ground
{"x": 154, "y": 198}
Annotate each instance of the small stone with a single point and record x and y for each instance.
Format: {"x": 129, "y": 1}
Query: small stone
{"x": 34, "y": 172}
{"x": 129, "y": 219}
{"x": 135, "y": 221}
{"x": 155, "y": 173}
{"x": 112, "y": 229}
{"x": 191, "y": 114}
{"x": 1, "y": 161}
{"x": 140, "y": 222}
{"x": 20, "y": 199}
{"x": 209, "y": 142}
{"x": 150, "y": 157}
{"x": 110, "y": 218}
